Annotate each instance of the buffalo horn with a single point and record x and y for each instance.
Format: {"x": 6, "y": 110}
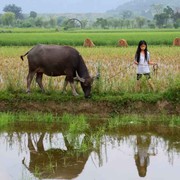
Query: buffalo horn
{"x": 79, "y": 78}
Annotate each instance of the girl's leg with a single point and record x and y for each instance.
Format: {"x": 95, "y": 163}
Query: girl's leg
{"x": 148, "y": 77}
{"x": 138, "y": 83}
{"x": 151, "y": 84}
{"x": 138, "y": 86}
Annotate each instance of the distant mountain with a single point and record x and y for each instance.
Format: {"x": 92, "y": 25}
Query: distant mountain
{"x": 144, "y": 7}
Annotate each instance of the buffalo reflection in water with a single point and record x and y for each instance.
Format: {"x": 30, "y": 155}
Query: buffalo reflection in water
{"x": 57, "y": 163}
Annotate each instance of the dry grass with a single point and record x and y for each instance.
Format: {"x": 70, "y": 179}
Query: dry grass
{"x": 117, "y": 72}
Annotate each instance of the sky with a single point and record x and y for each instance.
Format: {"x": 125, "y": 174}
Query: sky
{"x": 63, "y": 6}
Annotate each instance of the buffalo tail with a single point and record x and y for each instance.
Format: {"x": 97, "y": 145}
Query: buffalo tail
{"x": 23, "y": 56}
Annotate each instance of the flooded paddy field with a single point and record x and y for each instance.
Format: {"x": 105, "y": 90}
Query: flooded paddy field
{"x": 128, "y": 135}
{"x": 84, "y": 149}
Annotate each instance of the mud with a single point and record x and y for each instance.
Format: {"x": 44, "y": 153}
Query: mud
{"x": 102, "y": 109}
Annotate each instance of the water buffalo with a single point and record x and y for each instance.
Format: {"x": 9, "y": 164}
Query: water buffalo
{"x": 55, "y": 60}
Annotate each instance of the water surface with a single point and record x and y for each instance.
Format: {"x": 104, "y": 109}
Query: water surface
{"x": 31, "y": 152}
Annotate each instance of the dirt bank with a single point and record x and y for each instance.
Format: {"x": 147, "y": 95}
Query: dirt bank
{"x": 103, "y": 109}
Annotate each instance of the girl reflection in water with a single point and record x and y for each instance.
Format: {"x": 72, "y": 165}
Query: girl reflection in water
{"x": 142, "y": 155}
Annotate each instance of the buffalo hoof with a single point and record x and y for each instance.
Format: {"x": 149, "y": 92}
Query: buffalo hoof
{"x": 75, "y": 94}
{"x": 87, "y": 97}
{"x": 28, "y": 91}
{"x": 64, "y": 92}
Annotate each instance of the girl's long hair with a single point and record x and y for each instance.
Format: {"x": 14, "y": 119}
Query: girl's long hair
{"x": 138, "y": 51}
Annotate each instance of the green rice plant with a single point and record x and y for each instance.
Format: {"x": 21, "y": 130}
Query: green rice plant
{"x": 96, "y": 136}
{"x": 67, "y": 118}
{"x": 43, "y": 117}
{"x": 36, "y": 117}
{"x": 76, "y": 38}
{"x": 175, "y": 121}
{"x": 37, "y": 172}
{"x": 5, "y": 119}
{"x": 78, "y": 124}
{"x": 134, "y": 120}
{"x": 129, "y": 120}
{"x": 84, "y": 148}
{"x": 75, "y": 123}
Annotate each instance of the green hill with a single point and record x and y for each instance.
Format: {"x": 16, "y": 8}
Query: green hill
{"x": 145, "y": 8}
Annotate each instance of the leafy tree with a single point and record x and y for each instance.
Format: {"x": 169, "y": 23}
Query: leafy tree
{"x": 127, "y": 14}
{"x": 14, "y": 9}
{"x": 101, "y": 22}
{"x": 33, "y": 14}
{"x": 176, "y": 19}
{"x": 157, "y": 8}
{"x": 140, "y": 21}
{"x": 161, "y": 19}
{"x": 84, "y": 23}
{"x": 169, "y": 12}
{"x": 53, "y": 21}
{"x": 39, "y": 22}
{"x": 121, "y": 23}
{"x": 60, "y": 20}
{"x": 126, "y": 23}
{"x": 8, "y": 18}
{"x": 150, "y": 24}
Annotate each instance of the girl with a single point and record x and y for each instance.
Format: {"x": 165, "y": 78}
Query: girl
{"x": 142, "y": 60}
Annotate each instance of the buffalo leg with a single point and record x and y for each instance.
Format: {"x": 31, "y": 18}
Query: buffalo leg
{"x": 64, "y": 86}
{"x": 29, "y": 80}
{"x": 39, "y": 80}
{"x": 73, "y": 89}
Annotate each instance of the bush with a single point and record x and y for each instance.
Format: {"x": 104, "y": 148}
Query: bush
{"x": 173, "y": 94}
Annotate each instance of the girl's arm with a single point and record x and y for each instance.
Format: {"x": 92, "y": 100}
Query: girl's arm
{"x": 135, "y": 62}
{"x": 151, "y": 63}
{"x": 149, "y": 60}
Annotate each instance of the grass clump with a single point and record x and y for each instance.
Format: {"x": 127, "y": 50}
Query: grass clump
{"x": 118, "y": 121}
{"x": 76, "y": 123}
{"x": 173, "y": 93}
{"x": 133, "y": 120}
{"x": 5, "y": 119}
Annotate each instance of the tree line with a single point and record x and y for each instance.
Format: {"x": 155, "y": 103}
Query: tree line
{"x": 13, "y": 17}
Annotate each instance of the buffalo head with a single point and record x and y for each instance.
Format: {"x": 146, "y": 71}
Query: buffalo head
{"x": 86, "y": 84}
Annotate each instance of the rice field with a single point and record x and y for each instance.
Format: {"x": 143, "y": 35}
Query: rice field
{"x": 76, "y": 38}
{"x": 118, "y": 73}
